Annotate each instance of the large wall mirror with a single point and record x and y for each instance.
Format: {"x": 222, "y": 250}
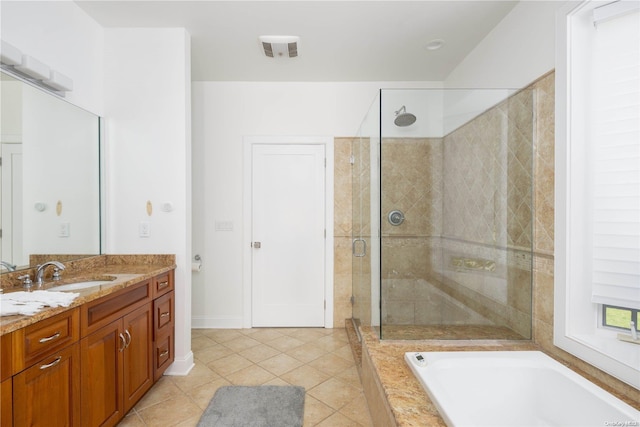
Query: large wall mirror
{"x": 50, "y": 180}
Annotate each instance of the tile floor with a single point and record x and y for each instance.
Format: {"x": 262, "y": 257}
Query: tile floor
{"x": 318, "y": 359}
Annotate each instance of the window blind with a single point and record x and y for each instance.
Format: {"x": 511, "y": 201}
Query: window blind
{"x": 614, "y": 150}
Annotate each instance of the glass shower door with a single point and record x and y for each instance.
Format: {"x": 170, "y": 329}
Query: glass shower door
{"x": 365, "y": 222}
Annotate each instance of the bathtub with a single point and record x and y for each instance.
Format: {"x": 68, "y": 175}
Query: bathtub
{"x": 514, "y": 388}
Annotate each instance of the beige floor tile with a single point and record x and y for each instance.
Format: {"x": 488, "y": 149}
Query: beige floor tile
{"x": 338, "y": 420}
{"x": 331, "y": 364}
{"x": 264, "y": 335}
{"x": 191, "y": 422}
{"x": 358, "y": 410}
{"x": 307, "y": 335}
{"x": 209, "y": 354}
{"x": 306, "y": 353}
{"x": 229, "y": 364}
{"x": 203, "y": 394}
{"x": 200, "y": 374}
{"x": 331, "y": 342}
{"x": 221, "y": 335}
{"x": 241, "y": 343}
{"x": 284, "y": 343}
{"x": 132, "y": 420}
{"x": 163, "y": 390}
{"x": 170, "y": 412}
{"x": 278, "y": 381}
{"x": 305, "y": 376}
{"x": 350, "y": 376}
{"x": 259, "y": 353}
{"x": 315, "y": 411}
{"x": 251, "y": 375}
{"x": 201, "y": 342}
{"x": 345, "y": 352}
{"x": 280, "y": 364}
{"x": 334, "y": 393}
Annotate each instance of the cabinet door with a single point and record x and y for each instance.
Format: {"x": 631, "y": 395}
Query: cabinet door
{"x": 138, "y": 356}
{"x": 47, "y": 394}
{"x": 102, "y": 376}
{"x": 6, "y": 405}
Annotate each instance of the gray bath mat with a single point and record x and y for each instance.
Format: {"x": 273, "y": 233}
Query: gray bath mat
{"x": 259, "y": 406}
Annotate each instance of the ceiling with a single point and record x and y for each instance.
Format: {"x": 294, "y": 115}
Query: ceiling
{"x": 340, "y": 40}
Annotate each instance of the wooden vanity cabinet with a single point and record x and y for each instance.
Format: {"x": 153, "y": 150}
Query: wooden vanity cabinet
{"x": 90, "y": 365}
{"x": 117, "y": 359}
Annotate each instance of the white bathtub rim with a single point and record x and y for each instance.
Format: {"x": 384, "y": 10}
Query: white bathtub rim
{"x": 534, "y": 359}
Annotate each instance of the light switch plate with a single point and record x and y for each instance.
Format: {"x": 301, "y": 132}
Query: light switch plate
{"x": 64, "y": 230}
{"x": 144, "y": 229}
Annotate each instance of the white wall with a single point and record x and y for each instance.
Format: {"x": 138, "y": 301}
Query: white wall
{"x": 62, "y": 36}
{"x": 148, "y": 150}
{"x": 515, "y": 53}
{"x": 224, "y": 112}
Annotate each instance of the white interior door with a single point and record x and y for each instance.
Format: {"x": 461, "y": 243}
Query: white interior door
{"x": 288, "y": 235}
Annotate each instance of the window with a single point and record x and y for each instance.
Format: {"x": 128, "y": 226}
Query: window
{"x": 619, "y": 317}
{"x": 597, "y": 262}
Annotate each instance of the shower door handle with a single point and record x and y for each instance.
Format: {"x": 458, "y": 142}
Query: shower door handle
{"x": 364, "y": 248}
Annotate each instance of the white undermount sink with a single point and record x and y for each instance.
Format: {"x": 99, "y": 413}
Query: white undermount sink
{"x": 79, "y": 285}
{"x": 83, "y": 284}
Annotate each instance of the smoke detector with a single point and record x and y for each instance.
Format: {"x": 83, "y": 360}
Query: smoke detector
{"x": 280, "y": 46}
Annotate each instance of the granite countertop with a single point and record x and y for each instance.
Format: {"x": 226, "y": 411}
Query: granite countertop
{"x": 128, "y": 271}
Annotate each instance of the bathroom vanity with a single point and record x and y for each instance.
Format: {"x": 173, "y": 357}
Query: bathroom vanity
{"x": 90, "y": 363}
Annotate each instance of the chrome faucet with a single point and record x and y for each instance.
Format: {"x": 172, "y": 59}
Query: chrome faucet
{"x": 40, "y": 271}
{"x": 8, "y": 266}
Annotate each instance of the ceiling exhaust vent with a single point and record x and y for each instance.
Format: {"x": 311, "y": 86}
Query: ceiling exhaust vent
{"x": 280, "y": 46}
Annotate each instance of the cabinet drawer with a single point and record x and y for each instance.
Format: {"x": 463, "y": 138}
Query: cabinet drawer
{"x": 43, "y": 338}
{"x": 163, "y": 314}
{"x": 101, "y": 312}
{"x": 163, "y": 355}
{"x": 163, "y": 283}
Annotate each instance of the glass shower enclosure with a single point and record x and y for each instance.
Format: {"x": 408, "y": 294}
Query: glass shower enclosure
{"x": 442, "y": 215}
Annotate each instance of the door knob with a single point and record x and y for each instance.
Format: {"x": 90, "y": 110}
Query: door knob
{"x": 256, "y": 245}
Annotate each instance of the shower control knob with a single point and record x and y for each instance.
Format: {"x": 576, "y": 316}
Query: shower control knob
{"x": 395, "y": 217}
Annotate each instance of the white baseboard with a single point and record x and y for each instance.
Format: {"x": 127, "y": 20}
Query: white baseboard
{"x": 181, "y": 367}
{"x": 210, "y": 322}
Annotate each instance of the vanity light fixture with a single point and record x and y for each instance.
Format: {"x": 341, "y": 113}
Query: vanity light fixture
{"x": 33, "y": 68}
{"x": 58, "y": 81}
{"x": 9, "y": 54}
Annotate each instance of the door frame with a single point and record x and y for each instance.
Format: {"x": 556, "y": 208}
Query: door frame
{"x": 248, "y": 143}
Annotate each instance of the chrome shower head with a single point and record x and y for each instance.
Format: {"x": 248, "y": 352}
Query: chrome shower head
{"x": 403, "y": 118}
